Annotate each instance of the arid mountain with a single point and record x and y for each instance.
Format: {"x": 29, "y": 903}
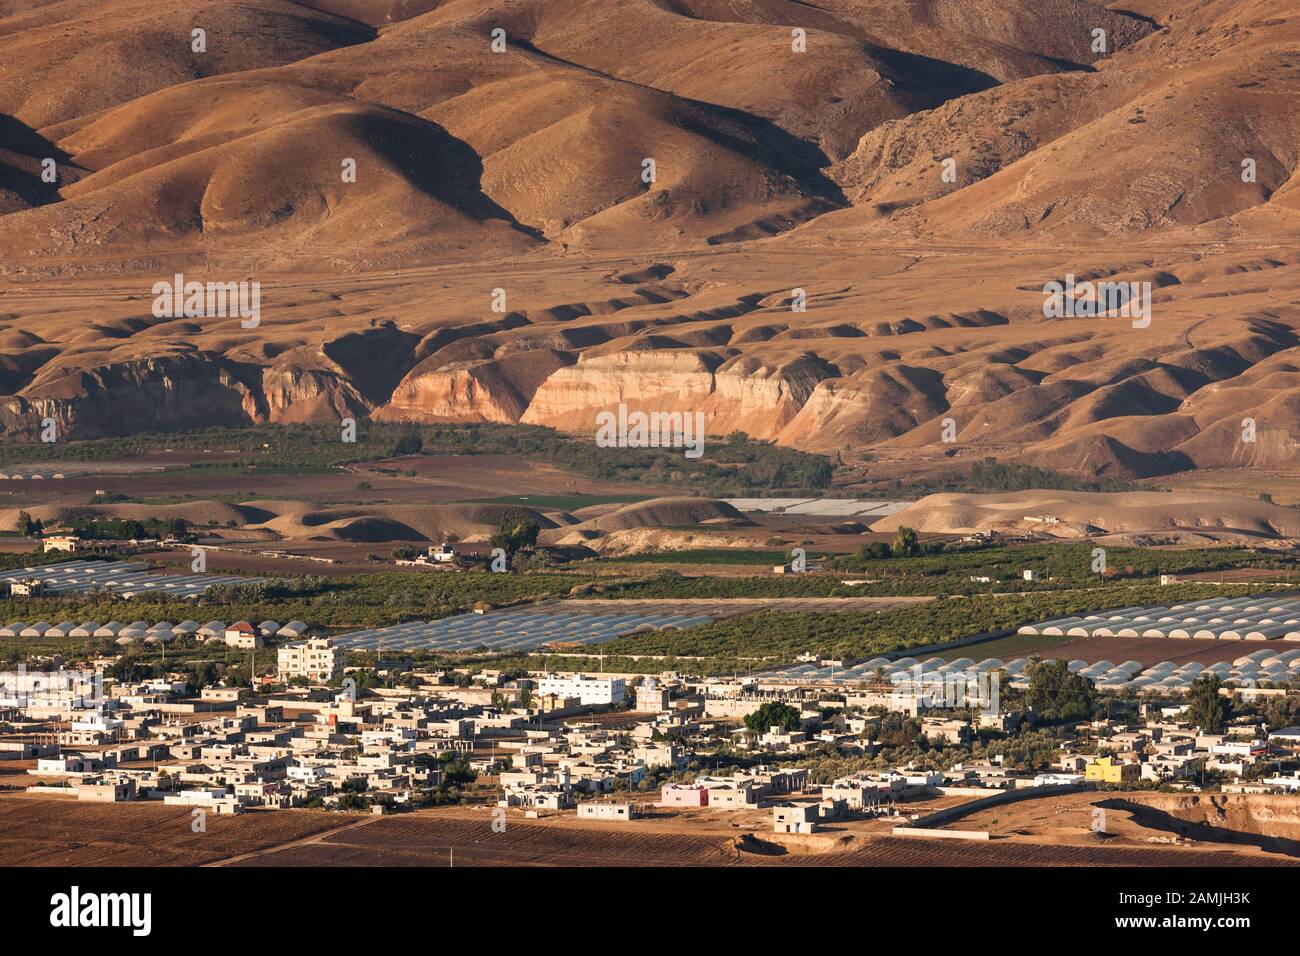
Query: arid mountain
{"x": 826, "y": 223}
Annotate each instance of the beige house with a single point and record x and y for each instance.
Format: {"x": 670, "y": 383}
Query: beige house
{"x": 651, "y": 698}
{"x": 794, "y": 818}
{"x": 62, "y": 542}
{"x": 316, "y": 659}
{"x": 110, "y": 791}
{"x": 243, "y": 635}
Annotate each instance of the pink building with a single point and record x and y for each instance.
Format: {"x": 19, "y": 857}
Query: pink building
{"x": 683, "y": 795}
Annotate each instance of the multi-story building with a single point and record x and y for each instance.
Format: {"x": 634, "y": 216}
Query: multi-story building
{"x": 61, "y": 542}
{"x": 316, "y": 659}
{"x": 589, "y": 690}
{"x": 651, "y": 698}
{"x": 1110, "y": 770}
{"x": 28, "y": 587}
{"x": 243, "y": 635}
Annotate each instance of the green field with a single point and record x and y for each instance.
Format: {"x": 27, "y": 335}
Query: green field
{"x": 731, "y": 465}
{"x": 784, "y": 635}
{"x": 718, "y": 556}
{"x": 347, "y": 603}
{"x": 1058, "y": 564}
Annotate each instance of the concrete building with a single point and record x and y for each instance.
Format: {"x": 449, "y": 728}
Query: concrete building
{"x": 589, "y": 690}
{"x": 1110, "y": 770}
{"x": 316, "y": 659}
{"x": 660, "y": 755}
{"x": 109, "y": 791}
{"x": 859, "y": 792}
{"x": 732, "y": 794}
{"x": 787, "y": 780}
{"x": 794, "y": 818}
{"x": 243, "y": 635}
{"x": 652, "y": 698}
{"x": 950, "y": 731}
{"x": 70, "y": 543}
{"x": 442, "y": 554}
{"x": 605, "y": 811}
{"x": 683, "y": 795}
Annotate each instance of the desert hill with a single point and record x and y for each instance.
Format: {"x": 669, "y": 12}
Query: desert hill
{"x": 1165, "y": 122}
{"x": 664, "y": 513}
{"x": 304, "y": 521}
{"x": 798, "y": 268}
{"x": 1074, "y": 514}
{"x": 739, "y": 122}
{"x": 65, "y": 61}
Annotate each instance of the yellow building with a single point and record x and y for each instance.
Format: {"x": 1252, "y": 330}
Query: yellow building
{"x": 1110, "y": 770}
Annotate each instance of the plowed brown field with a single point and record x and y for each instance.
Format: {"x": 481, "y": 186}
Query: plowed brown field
{"x": 58, "y": 832}
{"x": 429, "y": 840}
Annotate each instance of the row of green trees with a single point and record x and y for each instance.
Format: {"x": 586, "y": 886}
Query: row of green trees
{"x": 783, "y": 635}
{"x": 731, "y": 464}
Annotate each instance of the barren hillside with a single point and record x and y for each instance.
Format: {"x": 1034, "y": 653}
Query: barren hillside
{"x": 620, "y": 201}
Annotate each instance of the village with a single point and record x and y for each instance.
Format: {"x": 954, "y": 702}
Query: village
{"x": 321, "y": 734}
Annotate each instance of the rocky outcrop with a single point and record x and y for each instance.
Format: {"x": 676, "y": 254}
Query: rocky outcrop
{"x": 493, "y": 391}
{"x": 173, "y": 393}
{"x": 759, "y": 399}
{"x": 186, "y": 390}
{"x": 374, "y": 360}
{"x": 651, "y": 380}
{"x": 290, "y": 395}
{"x": 873, "y": 405}
{"x": 741, "y": 394}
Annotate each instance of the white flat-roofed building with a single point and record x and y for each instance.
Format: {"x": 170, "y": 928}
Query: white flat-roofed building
{"x": 316, "y": 659}
{"x": 443, "y": 554}
{"x": 61, "y": 542}
{"x": 307, "y": 774}
{"x": 588, "y": 690}
{"x": 605, "y": 811}
{"x": 74, "y": 689}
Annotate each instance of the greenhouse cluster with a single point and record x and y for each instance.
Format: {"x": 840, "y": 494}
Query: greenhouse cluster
{"x": 1259, "y": 669}
{"x": 514, "y": 630}
{"x": 1223, "y": 619}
